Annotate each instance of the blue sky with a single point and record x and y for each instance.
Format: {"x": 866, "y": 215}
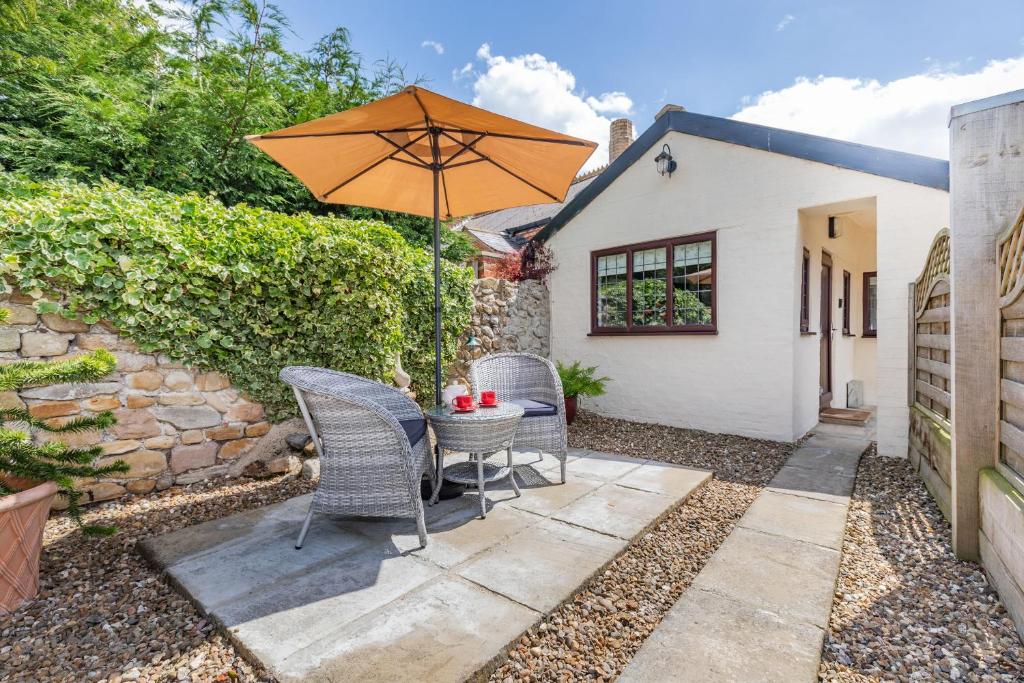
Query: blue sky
{"x": 877, "y": 58}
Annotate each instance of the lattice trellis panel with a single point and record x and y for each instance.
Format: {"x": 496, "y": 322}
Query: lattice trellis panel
{"x": 1010, "y": 251}
{"x": 932, "y": 369}
{"x": 1010, "y": 257}
{"x": 936, "y": 268}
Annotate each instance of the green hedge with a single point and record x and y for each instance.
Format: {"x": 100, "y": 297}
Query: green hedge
{"x": 240, "y": 290}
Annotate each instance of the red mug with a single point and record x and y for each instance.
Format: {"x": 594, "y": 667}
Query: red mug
{"x": 464, "y": 401}
{"x": 488, "y": 398}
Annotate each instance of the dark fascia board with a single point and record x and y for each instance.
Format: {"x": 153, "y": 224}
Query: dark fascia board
{"x": 910, "y": 168}
{"x": 527, "y": 226}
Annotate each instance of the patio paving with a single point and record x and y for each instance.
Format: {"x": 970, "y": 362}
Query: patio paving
{"x": 759, "y": 609}
{"x": 362, "y": 602}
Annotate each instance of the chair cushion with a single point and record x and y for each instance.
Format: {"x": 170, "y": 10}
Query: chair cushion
{"x": 534, "y": 408}
{"x": 414, "y": 429}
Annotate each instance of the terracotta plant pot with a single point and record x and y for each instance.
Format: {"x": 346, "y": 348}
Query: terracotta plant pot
{"x": 570, "y": 409}
{"x": 22, "y": 518}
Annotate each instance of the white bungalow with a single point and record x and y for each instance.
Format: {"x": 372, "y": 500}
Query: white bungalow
{"x": 737, "y": 278}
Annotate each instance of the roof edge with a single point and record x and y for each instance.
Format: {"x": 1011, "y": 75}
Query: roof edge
{"x": 974, "y": 106}
{"x": 902, "y": 166}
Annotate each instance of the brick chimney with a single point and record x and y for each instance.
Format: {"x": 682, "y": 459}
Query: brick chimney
{"x": 620, "y": 136}
{"x": 667, "y": 108}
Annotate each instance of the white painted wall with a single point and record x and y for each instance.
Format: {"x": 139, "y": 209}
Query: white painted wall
{"x": 757, "y": 376}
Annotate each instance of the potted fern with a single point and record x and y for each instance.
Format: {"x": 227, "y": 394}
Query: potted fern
{"x": 32, "y": 474}
{"x": 578, "y": 381}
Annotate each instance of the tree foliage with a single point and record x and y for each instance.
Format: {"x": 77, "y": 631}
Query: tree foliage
{"x": 241, "y": 290}
{"x": 145, "y": 96}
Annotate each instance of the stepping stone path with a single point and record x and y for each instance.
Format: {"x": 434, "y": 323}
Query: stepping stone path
{"x": 362, "y": 602}
{"x": 759, "y": 609}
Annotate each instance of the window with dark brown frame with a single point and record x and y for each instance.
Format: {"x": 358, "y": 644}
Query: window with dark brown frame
{"x": 805, "y": 293}
{"x": 870, "y": 296}
{"x": 661, "y": 287}
{"x": 847, "y": 288}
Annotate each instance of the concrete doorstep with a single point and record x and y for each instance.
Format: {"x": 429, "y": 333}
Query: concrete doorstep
{"x": 759, "y": 609}
{"x": 362, "y": 602}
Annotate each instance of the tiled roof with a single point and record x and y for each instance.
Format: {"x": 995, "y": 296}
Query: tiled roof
{"x": 498, "y": 222}
{"x": 494, "y": 241}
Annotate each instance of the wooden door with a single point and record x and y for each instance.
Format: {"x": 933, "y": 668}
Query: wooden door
{"x": 825, "y": 374}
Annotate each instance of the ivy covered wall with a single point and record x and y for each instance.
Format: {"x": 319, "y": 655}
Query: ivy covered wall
{"x": 239, "y": 290}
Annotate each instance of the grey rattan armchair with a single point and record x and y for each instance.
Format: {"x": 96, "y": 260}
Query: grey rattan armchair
{"x": 372, "y": 443}
{"x": 533, "y": 383}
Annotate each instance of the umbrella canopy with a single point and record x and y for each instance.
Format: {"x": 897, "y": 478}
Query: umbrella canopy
{"x": 422, "y": 153}
{"x": 381, "y": 155}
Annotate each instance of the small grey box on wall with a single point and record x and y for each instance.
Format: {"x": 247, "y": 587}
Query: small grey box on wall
{"x": 854, "y": 393}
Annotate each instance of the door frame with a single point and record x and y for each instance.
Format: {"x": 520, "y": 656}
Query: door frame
{"x": 825, "y": 388}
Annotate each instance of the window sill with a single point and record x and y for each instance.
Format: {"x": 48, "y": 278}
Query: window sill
{"x": 648, "y": 333}
{"x": 849, "y": 334}
{"x": 808, "y": 333}
{"x": 869, "y": 335}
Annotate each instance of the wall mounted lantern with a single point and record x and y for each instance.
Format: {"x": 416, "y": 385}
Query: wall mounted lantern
{"x": 665, "y": 162}
{"x": 473, "y": 343}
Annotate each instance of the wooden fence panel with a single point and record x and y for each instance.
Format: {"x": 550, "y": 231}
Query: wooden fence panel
{"x": 930, "y": 341}
{"x": 1010, "y": 257}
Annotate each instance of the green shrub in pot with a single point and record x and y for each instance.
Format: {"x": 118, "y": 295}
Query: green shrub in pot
{"x": 579, "y": 381}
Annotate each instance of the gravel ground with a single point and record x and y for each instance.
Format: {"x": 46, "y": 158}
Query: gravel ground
{"x": 596, "y": 634}
{"x": 104, "y": 615}
{"x": 905, "y": 608}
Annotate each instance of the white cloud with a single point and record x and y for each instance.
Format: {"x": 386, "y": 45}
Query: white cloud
{"x": 907, "y": 114}
{"x": 535, "y": 89}
{"x": 434, "y": 45}
{"x": 784, "y": 22}
{"x": 465, "y": 71}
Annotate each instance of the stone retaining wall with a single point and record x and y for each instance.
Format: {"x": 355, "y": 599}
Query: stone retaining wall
{"x": 507, "y": 316}
{"x": 175, "y": 425}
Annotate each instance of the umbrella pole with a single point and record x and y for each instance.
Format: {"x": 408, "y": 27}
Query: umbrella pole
{"x": 437, "y": 288}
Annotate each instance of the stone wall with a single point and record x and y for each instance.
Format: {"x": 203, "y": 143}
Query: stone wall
{"x": 175, "y": 425}
{"x": 508, "y": 316}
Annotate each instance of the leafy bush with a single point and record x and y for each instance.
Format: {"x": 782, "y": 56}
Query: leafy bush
{"x": 580, "y": 381}
{"x": 241, "y": 290}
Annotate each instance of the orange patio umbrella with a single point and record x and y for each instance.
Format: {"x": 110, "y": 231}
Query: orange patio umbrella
{"x": 422, "y": 153}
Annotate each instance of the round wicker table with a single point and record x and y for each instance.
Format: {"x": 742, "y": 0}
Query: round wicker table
{"x": 479, "y": 433}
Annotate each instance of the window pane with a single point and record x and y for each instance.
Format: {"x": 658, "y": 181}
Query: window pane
{"x": 692, "y": 274}
{"x": 650, "y": 290}
{"x": 872, "y": 295}
{"x": 611, "y": 291}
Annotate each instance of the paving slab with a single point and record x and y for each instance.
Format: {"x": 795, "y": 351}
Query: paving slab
{"x": 819, "y": 483}
{"x": 444, "y": 632}
{"x": 798, "y": 517}
{"x": 601, "y": 466}
{"x": 361, "y": 601}
{"x": 617, "y": 510}
{"x": 778, "y": 574}
{"x": 707, "y": 638}
{"x": 758, "y": 609}
{"x": 662, "y": 478}
{"x": 561, "y": 558}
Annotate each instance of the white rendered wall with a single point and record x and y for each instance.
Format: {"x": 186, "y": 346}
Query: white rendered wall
{"x": 752, "y": 377}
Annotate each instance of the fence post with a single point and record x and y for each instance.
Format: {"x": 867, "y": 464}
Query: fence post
{"x": 985, "y": 194}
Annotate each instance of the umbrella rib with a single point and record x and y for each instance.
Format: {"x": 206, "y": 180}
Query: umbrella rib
{"x": 286, "y": 136}
{"x": 518, "y": 177}
{"x": 402, "y": 148}
{"x": 392, "y": 156}
{"x": 466, "y": 147}
{"x": 462, "y": 163}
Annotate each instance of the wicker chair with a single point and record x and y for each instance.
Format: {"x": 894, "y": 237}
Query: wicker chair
{"x": 532, "y": 382}
{"x": 372, "y": 444}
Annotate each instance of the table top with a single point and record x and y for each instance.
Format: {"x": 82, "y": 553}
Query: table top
{"x": 504, "y": 411}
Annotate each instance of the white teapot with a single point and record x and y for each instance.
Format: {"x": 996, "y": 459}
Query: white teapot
{"x": 451, "y": 391}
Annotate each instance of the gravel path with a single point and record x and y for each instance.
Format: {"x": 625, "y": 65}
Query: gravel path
{"x": 596, "y": 634}
{"x": 905, "y": 608}
{"x": 104, "y": 615}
